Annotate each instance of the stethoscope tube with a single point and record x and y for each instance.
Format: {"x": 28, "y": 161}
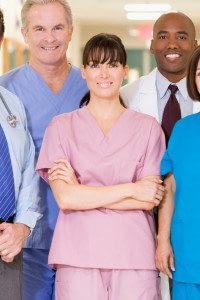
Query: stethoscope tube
{"x": 11, "y": 119}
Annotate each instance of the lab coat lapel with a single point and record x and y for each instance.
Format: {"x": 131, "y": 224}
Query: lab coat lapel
{"x": 148, "y": 95}
{"x": 196, "y": 107}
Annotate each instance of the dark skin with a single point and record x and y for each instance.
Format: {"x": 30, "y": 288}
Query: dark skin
{"x": 172, "y": 44}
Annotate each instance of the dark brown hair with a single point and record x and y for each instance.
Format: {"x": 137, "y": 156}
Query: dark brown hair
{"x": 191, "y": 75}
{"x": 102, "y": 48}
{"x": 2, "y": 26}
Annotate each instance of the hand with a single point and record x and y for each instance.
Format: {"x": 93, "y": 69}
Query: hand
{"x": 63, "y": 171}
{"x": 165, "y": 257}
{"x": 148, "y": 205}
{"x": 12, "y": 238}
{"x": 149, "y": 189}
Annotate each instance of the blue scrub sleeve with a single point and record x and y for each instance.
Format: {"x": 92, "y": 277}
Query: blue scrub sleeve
{"x": 166, "y": 164}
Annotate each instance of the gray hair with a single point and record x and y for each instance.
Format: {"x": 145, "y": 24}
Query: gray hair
{"x": 29, "y": 3}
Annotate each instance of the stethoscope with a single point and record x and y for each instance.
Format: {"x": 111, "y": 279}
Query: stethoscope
{"x": 11, "y": 119}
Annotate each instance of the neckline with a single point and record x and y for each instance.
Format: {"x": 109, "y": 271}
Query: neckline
{"x": 95, "y": 124}
{"x": 45, "y": 85}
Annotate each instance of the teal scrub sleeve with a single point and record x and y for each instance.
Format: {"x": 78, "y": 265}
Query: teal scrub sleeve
{"x": 166, "y": 164}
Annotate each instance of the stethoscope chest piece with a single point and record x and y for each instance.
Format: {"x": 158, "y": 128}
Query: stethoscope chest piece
{"x": 12, "y": 120}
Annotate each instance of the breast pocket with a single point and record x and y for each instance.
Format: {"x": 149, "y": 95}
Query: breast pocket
{"x": 129, "y": 170}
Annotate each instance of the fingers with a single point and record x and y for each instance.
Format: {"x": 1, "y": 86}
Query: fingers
{"x": 159, "y": 192}
{"x": 7, "y": 259}
{"x": 60, "y": 167}
{"x": 165, "y": 258}
{"x": 62, "y": 164}
{"x": 62, "y": 177}
{"x": 162, "y": 265}
{"x": 166, "y": 270}
{"x": 151, "y": 191}
{"x": 12, "y": 240}
{"x": 3, "y": 226}
{"x": 8, "y": 254}
{"x": 64, "y": 161}
{"x": 171, "y": 262}
{"x": 62, "y": 171}
{"x": 155, "y": 179}
{"x": 4, "y": 252}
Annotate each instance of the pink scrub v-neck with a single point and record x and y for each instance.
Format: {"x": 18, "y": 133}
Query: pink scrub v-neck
{"x": 132, "y": 149}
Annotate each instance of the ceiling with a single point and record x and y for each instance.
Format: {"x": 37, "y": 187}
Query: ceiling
{"x": 112, "y": 11}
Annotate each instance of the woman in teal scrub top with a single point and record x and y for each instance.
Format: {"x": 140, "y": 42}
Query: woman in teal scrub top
{"x": 178, "y": 251}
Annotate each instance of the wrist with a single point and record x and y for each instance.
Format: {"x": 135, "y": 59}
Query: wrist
{"x": 126, "y": 190}
{"x": 25, "y": 229}
{"x": 163, "y": 237}
{"x": 133, "y": 191}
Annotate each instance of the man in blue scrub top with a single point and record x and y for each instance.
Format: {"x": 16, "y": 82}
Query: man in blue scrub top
{"x": 48, "y": 85}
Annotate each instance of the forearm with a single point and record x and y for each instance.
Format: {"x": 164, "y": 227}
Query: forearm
{"x": 81, "y": 197}
{"x": 166, "y": 209}
{"x": 28, "y": 197}
{"x": 131, "y": 204}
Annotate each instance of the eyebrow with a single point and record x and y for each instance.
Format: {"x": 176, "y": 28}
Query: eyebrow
{"x": 37, "y": 26}
{"x": 162, "y": 31}
{"x": 165, "y": 31}
{"x": 60, "y": 24}
{"x": 183, "y": 32}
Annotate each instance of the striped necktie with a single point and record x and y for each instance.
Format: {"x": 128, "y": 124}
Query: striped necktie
{"x": 7, "y": 190}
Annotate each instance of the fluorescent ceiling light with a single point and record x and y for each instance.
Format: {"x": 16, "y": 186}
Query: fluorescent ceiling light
{"x": 148, "y": 7}
{"x": 143, "y": 16}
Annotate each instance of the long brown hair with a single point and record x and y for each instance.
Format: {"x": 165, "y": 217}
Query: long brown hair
{"x": 191, "y": 75}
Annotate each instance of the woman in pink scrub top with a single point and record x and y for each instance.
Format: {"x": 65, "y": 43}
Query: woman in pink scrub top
{"x": 103, "y": 245}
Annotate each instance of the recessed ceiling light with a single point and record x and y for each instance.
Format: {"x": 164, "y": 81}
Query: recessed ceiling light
{"x": 147, "y": 7}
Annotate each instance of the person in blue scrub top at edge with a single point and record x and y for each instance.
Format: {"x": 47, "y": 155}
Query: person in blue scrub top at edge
{"x": 19, "y": 189}
{"x": 178, "y": 252}
{"x": 48, "y": 85}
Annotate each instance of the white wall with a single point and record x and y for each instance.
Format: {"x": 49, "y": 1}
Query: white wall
{"x": 11, "y": 10}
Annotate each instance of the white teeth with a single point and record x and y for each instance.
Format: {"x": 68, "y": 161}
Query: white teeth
{"x": 104, "y": 84}
{"x": 49, "y": 48}
{"x": 173, "y": 56}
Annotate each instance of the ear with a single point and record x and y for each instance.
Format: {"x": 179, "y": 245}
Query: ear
{"x": 83, "y": 72}
{"x": 24, "y": 33}
{"x": 151, "y": 47}
{"x": 126, "y": 70}
{"x": 195, "y": 43}
{"x": 71, "y": 29}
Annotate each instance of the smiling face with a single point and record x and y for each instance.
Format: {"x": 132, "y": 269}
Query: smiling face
{"x": 104, "y": 79}
{"x": 172, "y": 44}
{"x": 47, "y": 34}
{"x": 104, "y": 65}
